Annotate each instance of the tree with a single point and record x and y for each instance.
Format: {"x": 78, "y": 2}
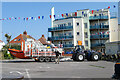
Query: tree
{"x": 8, "y": 38}
{"x": 6, "y": 47}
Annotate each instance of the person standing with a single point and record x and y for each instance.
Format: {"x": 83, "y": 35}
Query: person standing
{"x": 57, "y": 60}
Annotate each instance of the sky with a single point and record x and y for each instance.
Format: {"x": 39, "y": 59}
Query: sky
{"x": 36, "y": 28}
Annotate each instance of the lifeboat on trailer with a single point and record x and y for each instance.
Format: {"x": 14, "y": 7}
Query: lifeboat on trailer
{"x": 18, "y": 53}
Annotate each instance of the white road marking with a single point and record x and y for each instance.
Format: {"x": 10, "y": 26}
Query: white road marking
{"x": 48, "y": 67}
{"x": 44, "y": 67}
{"x": 28, "y": 73}
{"x": 40, "y": 67}
{"x": 15, "y": 72}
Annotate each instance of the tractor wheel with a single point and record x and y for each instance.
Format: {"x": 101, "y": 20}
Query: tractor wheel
{"x": 74, "y": 57}
{"x": 52, "y": 59}
{"x": 80, "y": 57}
{"x": 95, "y": 57}
{"x": 41, "y": 59}
{"x": 47, "y": 59}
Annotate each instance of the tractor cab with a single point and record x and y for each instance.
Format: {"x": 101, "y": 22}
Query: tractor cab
{"x": 78, "y": 48}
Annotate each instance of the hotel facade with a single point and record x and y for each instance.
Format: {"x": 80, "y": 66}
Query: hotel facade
{"x": 92, "y": 28}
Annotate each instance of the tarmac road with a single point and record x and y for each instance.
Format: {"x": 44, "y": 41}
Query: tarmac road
{"x": 31, "y": 69}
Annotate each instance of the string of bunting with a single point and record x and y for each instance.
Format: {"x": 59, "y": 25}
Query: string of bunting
{"x": 42, "y": 17}
{"x": 103, "y": 33}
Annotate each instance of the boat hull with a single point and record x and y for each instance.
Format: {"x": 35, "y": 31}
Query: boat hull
{"x": 18, "y": 54}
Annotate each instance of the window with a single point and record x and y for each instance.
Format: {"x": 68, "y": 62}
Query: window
{"x": 95, "y": 15}
{"x": 86, "y": 43}
{"x": 85, "y": 15}
{"x": 65, "y": 42}
{"x": 69, "y": 34}
{"x": 19, "y": 39}
{"x": 70, "y": 42}
{"x": 119, "y": 47}
{"x": 15, "y": 40}
{"x": 85, "y": 25}
{"x": 16, "y": 46}
{"x": 109, "y": 50}
{"x": 77, "y": 24}
{"x": 69, "y": 24}
{"x": 86, "y": 35}
{"x": 77, "y": 33}
{"x": 65, "y": 34}
{"x": 64, "y": 24}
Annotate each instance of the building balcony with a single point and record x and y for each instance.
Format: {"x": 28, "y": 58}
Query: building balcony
{"x": 97, "y": 17}
{"x": 99, "y": 37}
{"x": 60, "y": 28}
{"x": 99, "y": 27}
{"x": 68, "y": 45}
{"x": 60, "y": 38}
{"x": 98, "y": 45}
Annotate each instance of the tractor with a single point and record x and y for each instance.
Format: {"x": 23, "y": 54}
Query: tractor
{"x": 80, "y": 54}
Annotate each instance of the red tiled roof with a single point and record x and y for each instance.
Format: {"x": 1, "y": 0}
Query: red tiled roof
{"x": 23, "y": 37}
{"x": 44, "y": 41}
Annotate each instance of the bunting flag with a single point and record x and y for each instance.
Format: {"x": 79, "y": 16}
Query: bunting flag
{"x": 71, "y": 14}
{"x": 31, "y": 17}
{"x": 58, "y": 16}
{"x": 38, "y": 17}
{"x": 42, "y": 17}
{"x": 92, "y": 11}
{"x": 50, "y": 16}
{"x": 54, "y": 16}
{"x": 66, "y": 14}
{"x": 62, "y": 15}
{"x": 75, "y": 13}
{"x": 23, "y": 18}
{"x": 82, "y": 13}
{"x": 27, "y": 18}
{"x": 12, "y": 17}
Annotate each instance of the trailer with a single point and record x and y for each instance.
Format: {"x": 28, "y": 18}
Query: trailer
{"x": 36, "y": 50}
{"x": 26, "y": 47}
{"x": 112, "y": 50}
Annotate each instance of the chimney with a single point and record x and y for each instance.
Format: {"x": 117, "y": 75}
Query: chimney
{"x": 25, "y": 33}
{"x": 42, "y": 35}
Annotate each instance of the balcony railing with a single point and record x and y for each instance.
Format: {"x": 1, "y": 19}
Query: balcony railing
{"x": 100, "y": 27}
{"x": 99, "y": 36}
{"x": 98, "y": 17}
{"x": 60, "y": 28}
{"x": 60, "y": 38}
{"x": 98, "y": 45}
{"x": 68, "y": 45}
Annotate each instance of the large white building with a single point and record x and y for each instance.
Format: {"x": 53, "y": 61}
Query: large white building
{"x": 93, "y": 28}
{"x": 1, "y": 45}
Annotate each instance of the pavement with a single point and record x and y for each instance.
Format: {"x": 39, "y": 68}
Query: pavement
{"x": 66, "y": 69}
